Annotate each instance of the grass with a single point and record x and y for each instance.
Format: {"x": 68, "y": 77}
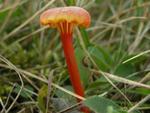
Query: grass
{"x": 113, "y": 58}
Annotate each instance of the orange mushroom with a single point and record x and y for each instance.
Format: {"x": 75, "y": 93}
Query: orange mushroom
{"x": 64, "y": 19}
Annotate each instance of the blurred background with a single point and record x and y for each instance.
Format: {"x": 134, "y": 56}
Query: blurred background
{"x": 113, "y": 56}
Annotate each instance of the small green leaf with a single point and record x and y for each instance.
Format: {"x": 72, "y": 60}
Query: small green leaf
{"x": 42, "y": 94}
{"x": 23, "y": 93}
{"x": 139, "y": 10}
{"x": 70, "y": 2}
{"x": 84, "y": 72}
{"x": 98, "y": 1}
{"x": 101, "y": 57}
{"x": 85, "y": 37}
{"x": 102, "y": 105}
{"x": 142, "y": 91}
{"x": 125, "y": 69}
{"x": 100, "y": 84}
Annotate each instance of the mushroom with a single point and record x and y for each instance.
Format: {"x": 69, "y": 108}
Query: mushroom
{"x": 65, "y": 19}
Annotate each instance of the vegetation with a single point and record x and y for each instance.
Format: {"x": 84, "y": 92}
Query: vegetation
{"x": 112, "y": 54}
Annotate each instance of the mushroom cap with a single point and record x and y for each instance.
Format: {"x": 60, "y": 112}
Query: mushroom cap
{"x": 71, "y": 14}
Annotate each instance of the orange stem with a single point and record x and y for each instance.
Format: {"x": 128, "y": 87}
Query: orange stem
{"x": 71, "y": 64}
{"x": 74, "y": 74}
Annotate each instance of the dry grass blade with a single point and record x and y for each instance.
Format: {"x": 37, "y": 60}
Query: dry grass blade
{"x": 139, "y": 103}
{"x": 136, "y": 56}
{"x": 49, "y": 89}
{"x": 45, "y": 81}
{"x": 122, "y": 80}
{"x": 33, "y": 33}
{"x": 140, "y": 35}
{"x": 69, "y": 108}
{"x": 22, "y": 84}
{"x": 3, "y": 106}
{"x": 12, "y": 6}
{"x": 146, "y": 4}
{"x": 28, "y": 20}
{"x": 117, "y": 89}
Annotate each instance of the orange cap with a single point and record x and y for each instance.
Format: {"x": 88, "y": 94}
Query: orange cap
{"x": 72, "y": 15}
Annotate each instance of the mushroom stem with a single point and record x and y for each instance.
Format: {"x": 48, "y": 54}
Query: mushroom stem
{"x": 72, "y": 64}
{"x": 67, "y": 44}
